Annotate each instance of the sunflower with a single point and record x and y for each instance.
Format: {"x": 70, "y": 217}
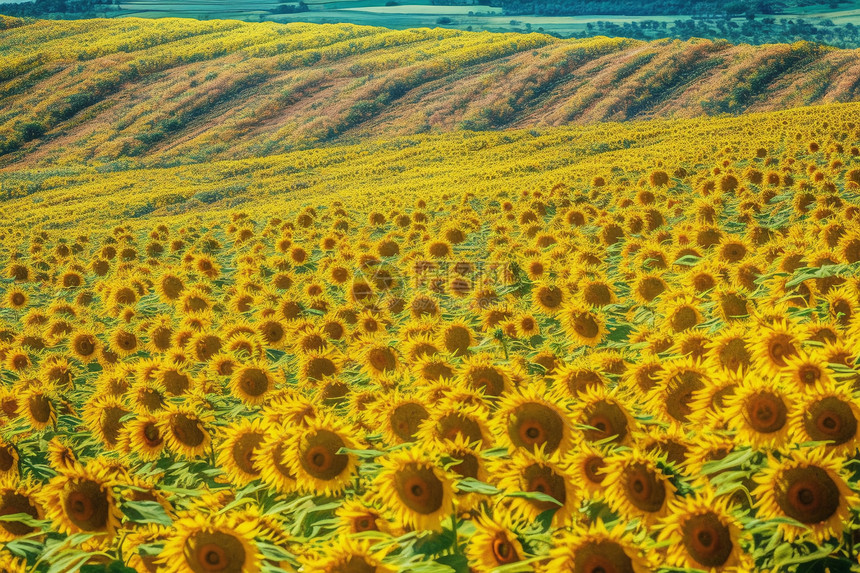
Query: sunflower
{"x": 758, "y": 411}
{"x": 236, "y": 453}
{"x": 673, "y": 395}
{"x": 773, "y": 346}
{"x": 702, "y": 533}
{"x": 578, "y": 377}
{"x": 581, "y": 324}
{"x": 828, "y": 416}
{"x": 636, "y": 487}
{"x": 269, "y": 457}
{"x": 184, "y": 431}
{"x": 169, "y": 287}
{"x": 533, "y": 419}
{"x": 414, "y": 489}
{"x": 39, "y": 406}
{"x": 494, "y": 543}
{"x": 730, "y": 349}
{"x": 252, "y": 383}
{"x": 207, "y": 543}
{"x": 314, "y": 456}
{"x": 143, "y": 535}
{"x": 142, "y": 436}
{"x": 356, "y": 515}
{"x": 400, "y": 417}
{"x": 596, "y": 549}
{"x": 454, "y": 419}
{"x": 82, "y": 500}
{"x": 18, "y": 497}
{"x": 807, "y": 372}
{"x": 315, "y": 366}
{"x": 808, "y": 486}
{"x": 378, "y": 357}
{"x": 84, "y": 345}
{"x": 346, "y": 554}
{"x": 456, "y": 337}
{"x": 605, "y": 416}
{"x": 480, "y": 372}
{"x": 103, "y": 414}
{"x": 9, "y": 458}
{"x": 536, "y": 474}
{"x": 16, "y": 298}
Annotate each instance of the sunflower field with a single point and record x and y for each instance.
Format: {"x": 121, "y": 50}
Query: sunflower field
{"x": 623, "y": 348}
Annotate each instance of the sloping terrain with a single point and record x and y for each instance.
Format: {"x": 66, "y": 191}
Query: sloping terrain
{"x": 186, "y": 90}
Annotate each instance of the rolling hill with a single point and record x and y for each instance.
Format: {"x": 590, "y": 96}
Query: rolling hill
{"x": 177, "y": 90}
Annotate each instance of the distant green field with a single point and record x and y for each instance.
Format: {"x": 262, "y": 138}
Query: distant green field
{"x": 422, "y": 13}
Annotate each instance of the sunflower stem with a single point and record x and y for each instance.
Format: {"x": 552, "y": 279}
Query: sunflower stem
{"x": 456, "y": 536}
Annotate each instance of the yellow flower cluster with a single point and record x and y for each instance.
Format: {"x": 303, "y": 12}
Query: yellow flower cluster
{"x": 645, "y": 363}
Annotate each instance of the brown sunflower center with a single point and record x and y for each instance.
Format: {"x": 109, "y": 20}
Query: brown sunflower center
{"x": 766, "y": 412}
{"x": 452, "y": 425}
{"x": 243, "y": 452}
{"x": 405, "y": 420}
{"x": 254, "y": 382}
{"x": 707, "y": 539}
{"x": 533, "y": 424}
{"x": 779, "y": 347}
{"x": 808, "y": 495}
{"x": 831, "y": 419}
{"x": 187, "y": 430}
{"x": 419, "y": 489}
{"x": 208, "y": 552}
{"x": 643, "y": 487}
{"x": 593, "y": 466}
{"x": 151, "y": 436}
{"x": 607, "y": 419}
{"x": 319, "y": 455}
{"x": 602, "y": 557}
{"x": 7, "y": 458}
{"x": 543, "y": 479}
{"x": 11, "y": 503}
{"x": 364, "y": 523}
{"x": 503, "y": 550}
{"x": 86, "y": 505}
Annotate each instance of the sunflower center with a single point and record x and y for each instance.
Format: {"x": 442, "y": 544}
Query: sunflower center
{"x": 832, "y": 420}
{"x": 707, "y": 539}
{"x": 809, "y": 495}
{"x": 533, "y": 424}
{"x": 644, "y": 490}
{"x": 86, "y": 505}
{"x": 602, "y": 557}
{"x": 12, "y": 503}
{"x": 593, "y": 465}
{"x": 543, "y": 479}
{"x": 607, "y": 419}
{"x": 243, "y": 452}
{"x": 419, "y": 489}
{"x": 151, "y": 435}
{"x": 405, "y": 420}
{"x": 364, "y": 524}
{"x": 766, "y": 412}
{"x": 208, "y": 552}
{"x": 320, "y": 458}
{"x": 503, "y": 550}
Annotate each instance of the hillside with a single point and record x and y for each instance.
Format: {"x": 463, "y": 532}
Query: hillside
{"x": 178, "y": 90}
{"x": 440, "y": 354}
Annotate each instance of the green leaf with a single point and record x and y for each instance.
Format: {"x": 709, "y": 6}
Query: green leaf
{"x": 471, "y": 485}
{"x": 458, "y": 563}
{"x": 688, "y": 261}
{"x": 362, "y": 453}
{"x": 535, "y": 496}
{"x": 146, "y": 512}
